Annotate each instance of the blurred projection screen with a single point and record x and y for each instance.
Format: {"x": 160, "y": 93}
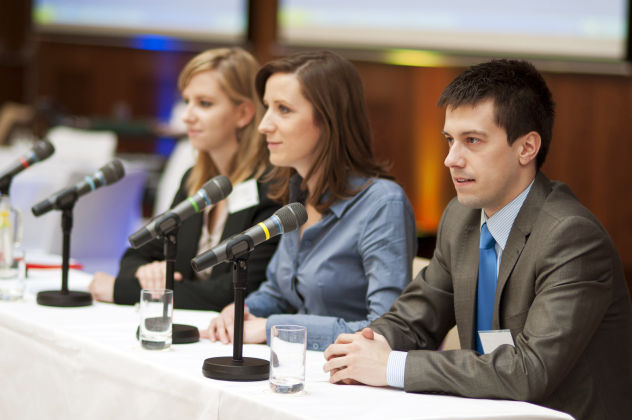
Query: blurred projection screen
{"x": 197, "y": 20}
{"x": 567, "y": 29}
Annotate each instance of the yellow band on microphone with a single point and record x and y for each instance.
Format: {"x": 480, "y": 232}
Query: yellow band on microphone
{"x": 265, "y": 230}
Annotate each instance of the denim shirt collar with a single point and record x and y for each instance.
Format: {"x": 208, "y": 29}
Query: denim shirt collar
{"x": 338, "y": 207}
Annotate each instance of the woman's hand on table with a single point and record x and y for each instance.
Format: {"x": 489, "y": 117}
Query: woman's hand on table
{"x": 102, "y": 287}
{"x": 221, "y": 328}
{"x": 153, "y": 275}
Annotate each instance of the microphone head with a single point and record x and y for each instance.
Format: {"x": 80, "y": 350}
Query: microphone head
{"x": 140, "y": 238}
{"x": 42, "y": 207}
{"x": 43, "y": 149}
{"x": 291, "y": 216}
{"x": 217, "y": 188}
{"x": 113, "y": 171}
{"x": 204, "y": 261}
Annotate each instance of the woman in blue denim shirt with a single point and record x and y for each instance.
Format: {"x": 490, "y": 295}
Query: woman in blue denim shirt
{"x": 352, "y": 258}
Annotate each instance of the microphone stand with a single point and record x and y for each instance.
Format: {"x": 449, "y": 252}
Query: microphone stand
{"x": 65, "y": 297}
{"x": 180, "y": 334}
{"x": 238, "y": 368}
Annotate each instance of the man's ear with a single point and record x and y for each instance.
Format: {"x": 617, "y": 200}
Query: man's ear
{"x": 528, "y": 147}
{"x": 246, "y": 112}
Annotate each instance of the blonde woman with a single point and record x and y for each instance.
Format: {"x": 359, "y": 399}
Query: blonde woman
{"x": 221, "y": 115}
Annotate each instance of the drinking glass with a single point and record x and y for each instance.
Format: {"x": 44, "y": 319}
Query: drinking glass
{"x": 287, "y": 358}
{"x": 156, "y": 316}
{"x": 12, "y": 268}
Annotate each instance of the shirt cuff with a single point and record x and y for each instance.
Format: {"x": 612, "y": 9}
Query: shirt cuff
{"x": 396, "y": 368}
{"x": 319, "y": 328}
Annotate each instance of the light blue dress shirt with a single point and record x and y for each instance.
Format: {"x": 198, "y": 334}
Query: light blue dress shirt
{"x": 499, "y": 226}
{"x": 347, "y": 269}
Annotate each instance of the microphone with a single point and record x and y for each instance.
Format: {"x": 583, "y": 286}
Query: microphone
{"x": 286, "y": 219}
{"x": 213, "y": 191}
{"x": 40, "y": 151}
{"x": 106, "y": 175}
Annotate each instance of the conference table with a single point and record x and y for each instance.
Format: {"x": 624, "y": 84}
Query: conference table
{"x": 85, "y": 363}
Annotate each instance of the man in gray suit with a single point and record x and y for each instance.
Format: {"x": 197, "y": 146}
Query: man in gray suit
{"x": 545, "y": 316}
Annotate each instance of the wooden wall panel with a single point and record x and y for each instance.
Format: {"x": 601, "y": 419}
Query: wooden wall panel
{"x": 407, "y": 127}
{"x": 76, "y": 88}
{"x": 116, "y": 78}
{"x": 391, "y": 115}
{"x": 592, "y": 149}
{"x": 11, "y": 84}
{"x": 15, "y": 50}
{"x": 434, "y": 186}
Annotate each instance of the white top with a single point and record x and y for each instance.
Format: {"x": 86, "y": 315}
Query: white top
{"x": 209, "y": 239}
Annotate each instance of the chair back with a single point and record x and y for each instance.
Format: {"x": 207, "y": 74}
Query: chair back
{"x": 104, "y": 219}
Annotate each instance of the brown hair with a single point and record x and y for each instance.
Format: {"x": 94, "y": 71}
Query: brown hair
{"x": 236, "y": 69}
{"x": 522, "y": 100}
{"x": 333, "y": 87}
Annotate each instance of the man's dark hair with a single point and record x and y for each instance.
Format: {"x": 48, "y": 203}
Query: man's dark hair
{"x": 522, "y": 100}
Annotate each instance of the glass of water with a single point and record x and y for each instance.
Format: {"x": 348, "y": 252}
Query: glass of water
{"x": 287, "y": 358}
{"x": 12, "y": 277}
{"x": 156, "y": 316}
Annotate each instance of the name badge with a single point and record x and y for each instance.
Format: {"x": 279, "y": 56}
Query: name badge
{"x": 244, "y": 195}
{"x": 492, "y": 339}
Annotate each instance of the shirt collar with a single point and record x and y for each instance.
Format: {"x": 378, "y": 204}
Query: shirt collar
{"x": 500, "y": 223}
{"x": 355, "y": 185}
{"x": 338, "y": 207}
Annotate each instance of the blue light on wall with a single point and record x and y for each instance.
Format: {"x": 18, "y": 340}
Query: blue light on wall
{"x": 154, "y": 42}
{"x": 165, "y": 95}
{"x": 164, "y": 146}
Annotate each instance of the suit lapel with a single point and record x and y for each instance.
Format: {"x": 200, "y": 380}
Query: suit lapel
{"x": 467, "y": 269}
{"x": 518, "y": 237}
{"x": 513, "y": 249}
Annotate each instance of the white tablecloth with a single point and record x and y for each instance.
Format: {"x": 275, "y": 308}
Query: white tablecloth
{"x": 85, "y": 363}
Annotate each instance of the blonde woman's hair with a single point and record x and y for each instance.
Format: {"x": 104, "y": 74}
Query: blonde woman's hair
{"x": 236, "y": 70}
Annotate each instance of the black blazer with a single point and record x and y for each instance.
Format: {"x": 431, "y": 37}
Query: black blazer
{"x": 191, "y": 293}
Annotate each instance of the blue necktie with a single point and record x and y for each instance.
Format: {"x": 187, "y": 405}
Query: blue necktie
{"x": 486, "y": 290}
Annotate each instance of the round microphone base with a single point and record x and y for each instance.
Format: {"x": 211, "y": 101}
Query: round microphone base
{"x": 184, "y": 334}
{"x": 64, "y": 299}
{"x": 229, "y": 369}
